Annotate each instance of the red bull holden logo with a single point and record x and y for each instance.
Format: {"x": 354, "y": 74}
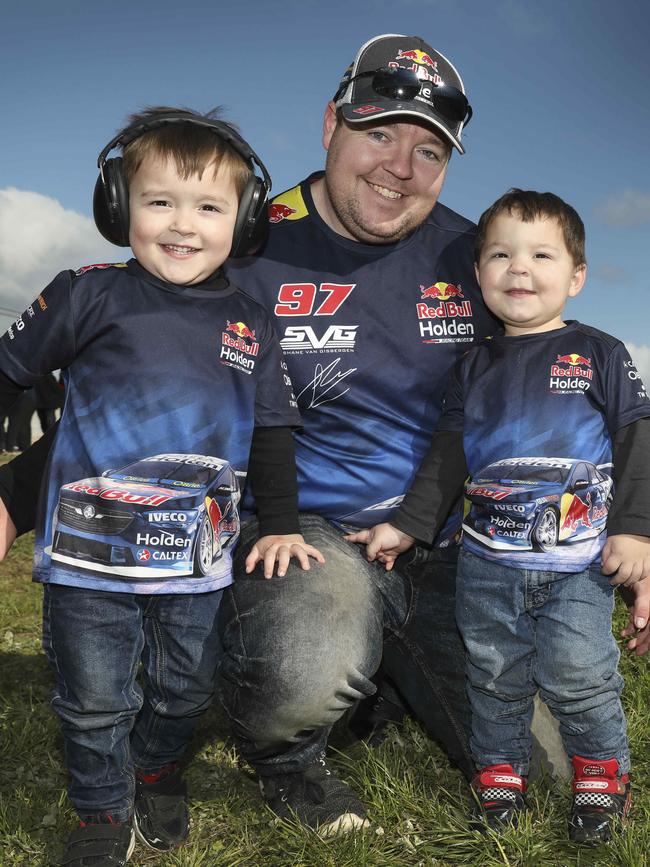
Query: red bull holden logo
{"x": 571, "y": 374}
{"x": 237, "y": 351}
{"x": 440, "y": 312}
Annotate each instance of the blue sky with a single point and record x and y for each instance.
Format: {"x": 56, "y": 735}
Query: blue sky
{"x": 559, "y": 91}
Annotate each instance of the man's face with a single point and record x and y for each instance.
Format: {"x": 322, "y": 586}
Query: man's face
{"x": 381, "y": 179}
{"x": 181, "y": 229}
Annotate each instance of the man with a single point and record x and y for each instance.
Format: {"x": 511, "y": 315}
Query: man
{"x": 372, "y": 286}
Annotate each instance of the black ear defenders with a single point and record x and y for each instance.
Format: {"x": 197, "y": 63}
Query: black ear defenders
{"x": 111, "y": 196}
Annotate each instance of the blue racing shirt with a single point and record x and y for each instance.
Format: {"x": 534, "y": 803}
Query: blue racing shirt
{"x": 370, "y": 333}
{"x": 538, "y": 413}
{"x": 163, "y": 386}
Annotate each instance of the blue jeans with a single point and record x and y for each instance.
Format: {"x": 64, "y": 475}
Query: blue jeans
{"x": 298, "y": 651}
{"x": 549, "y": 631}
{"x": 95, "y": 642}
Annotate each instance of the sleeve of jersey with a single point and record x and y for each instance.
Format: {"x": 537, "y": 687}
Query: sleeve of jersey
{"x": 452, "y": 415}
{"x": 275, "y": 403}
{"x": 626, "y": 398}
{"x": 630, "y": 511}
{"x": 42, "y": 338}
{"x": 437, "y": 485}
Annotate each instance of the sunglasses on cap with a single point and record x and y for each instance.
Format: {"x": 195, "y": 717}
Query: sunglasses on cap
{"x": 403, "y": 85}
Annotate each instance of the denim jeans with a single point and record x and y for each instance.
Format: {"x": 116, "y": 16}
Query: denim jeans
{"x": 111, "y": 726}
{"x": 526, "y": 631}
{"x": 298, "y": 651}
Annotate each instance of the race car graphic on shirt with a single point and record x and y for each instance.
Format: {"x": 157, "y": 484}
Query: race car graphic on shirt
{"x": 535, "y": 503}
{"x": 163, "y": 516}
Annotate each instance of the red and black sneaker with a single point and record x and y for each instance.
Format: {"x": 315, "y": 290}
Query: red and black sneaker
{"x": 601, "y": 800}
{"x": 161, "y": 816}
{"x": 499, "y": 796}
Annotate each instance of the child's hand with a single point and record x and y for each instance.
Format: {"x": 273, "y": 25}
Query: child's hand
{"x": 7, "y": 531}
{"x": 270, "y": 549}
{"x": 637, "y": 599}
{"x": 626, "y": 559}
{"x": 384, "y": 543}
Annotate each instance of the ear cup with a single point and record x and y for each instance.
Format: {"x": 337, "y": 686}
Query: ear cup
{"x": 249, "y": 234}
{"x": 111, "y": 196}
{"x": 111, "y": 203}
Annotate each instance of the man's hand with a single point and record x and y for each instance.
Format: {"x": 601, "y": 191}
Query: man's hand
{"x": 7, "y": 531}
{"x": 637, "y": 599}
{"x": 626, "y": 559}
{"x": 280, "y": 549}
{"x": 384, "y": 543}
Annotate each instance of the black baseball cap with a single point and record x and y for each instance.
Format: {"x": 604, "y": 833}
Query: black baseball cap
{"x": 395, "y": 75}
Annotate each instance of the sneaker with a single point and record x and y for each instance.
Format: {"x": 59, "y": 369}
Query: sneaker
{"x": 499, "y": 796}
{"x": 601, "y": 800}
{"x": 161, "y": 815}
{"x": 315, "y": 797}
{"x": 99, "y": 842}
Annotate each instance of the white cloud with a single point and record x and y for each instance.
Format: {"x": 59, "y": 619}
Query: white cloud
{"x": 630, "y": 208}
{"x": 39, "y": 238}
{"x": 641, "y": 357}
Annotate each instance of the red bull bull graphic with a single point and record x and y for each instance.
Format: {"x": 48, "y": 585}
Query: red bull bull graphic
{"x": 577, "y": 513}
{"x": 420, "y": 63}
{"x": 574, "y": 359}
{"x": 442, "y": 290}
{"x": 240, "y": 329}
{"x": 279, "y": 211}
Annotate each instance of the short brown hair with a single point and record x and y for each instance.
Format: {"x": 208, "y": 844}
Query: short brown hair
{"x": 192, "y": 147}
{"x": 530, "y": 205}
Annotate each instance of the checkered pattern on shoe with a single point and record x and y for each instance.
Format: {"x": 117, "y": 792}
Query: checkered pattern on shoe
{"x": 499, "y": 794}
{"x": 601, "y": 799}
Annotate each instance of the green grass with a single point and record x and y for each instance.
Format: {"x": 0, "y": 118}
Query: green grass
{"x": 417, "y": 804}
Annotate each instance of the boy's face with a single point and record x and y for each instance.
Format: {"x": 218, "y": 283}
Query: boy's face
{"x": 181, "y": 230}
{"x": 526, "y": 273}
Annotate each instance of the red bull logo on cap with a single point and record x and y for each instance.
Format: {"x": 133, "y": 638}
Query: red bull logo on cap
{"x": 417, "y": 56}
{"x": 420, "y": 63}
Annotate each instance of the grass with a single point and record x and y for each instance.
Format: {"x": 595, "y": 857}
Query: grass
{"x": 416, "y": 802}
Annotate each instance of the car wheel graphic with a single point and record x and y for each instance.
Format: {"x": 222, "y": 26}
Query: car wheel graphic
{"x": 203, "y": 550}
{"x": 545, "y": 531}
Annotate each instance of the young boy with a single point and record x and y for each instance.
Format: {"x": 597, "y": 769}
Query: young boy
{"x": 172, "y": 377}
{"x": 536, "y": 415}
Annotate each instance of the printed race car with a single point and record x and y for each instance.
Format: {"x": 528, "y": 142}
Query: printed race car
{"x": 535, "y": 503}
{"x": 166, "y": 515}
